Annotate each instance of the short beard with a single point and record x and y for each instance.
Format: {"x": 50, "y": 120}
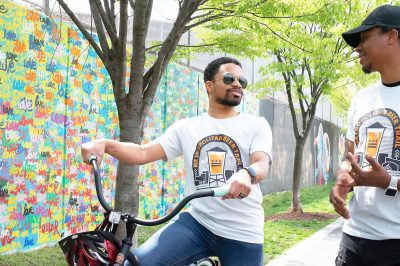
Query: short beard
{"x": 229, "y": 102}
{"x": 367, "y": 69}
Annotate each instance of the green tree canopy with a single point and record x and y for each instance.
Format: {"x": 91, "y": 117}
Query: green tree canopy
{"x": 305, "y": 55}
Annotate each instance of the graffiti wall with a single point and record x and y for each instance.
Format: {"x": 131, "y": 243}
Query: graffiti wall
{"x": 54, "y": 95}
{"x": 322, "y": 153}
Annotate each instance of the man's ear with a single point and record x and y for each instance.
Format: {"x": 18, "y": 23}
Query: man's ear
{"x": 209, "y": 86}
{"x": 393, "y": 36}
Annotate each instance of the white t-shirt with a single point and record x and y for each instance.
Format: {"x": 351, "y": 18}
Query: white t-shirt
{"x": 213, "y": 150}
{"x": 374, "y": 126}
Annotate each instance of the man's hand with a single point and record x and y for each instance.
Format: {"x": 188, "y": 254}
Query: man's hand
{"x": 339, "y": 194}
{"x": 374, "y": 176}
{"x": 341, "y": 189}
{"x": 96, "y": 147}
{"x": 239, "y": 185}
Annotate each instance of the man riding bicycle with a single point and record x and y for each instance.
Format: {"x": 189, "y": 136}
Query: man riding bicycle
{"x": 219, "y": 147}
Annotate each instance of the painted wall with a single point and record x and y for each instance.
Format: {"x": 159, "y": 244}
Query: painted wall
{"x": 54, "y": 95}
{"x": 322, "y": 153}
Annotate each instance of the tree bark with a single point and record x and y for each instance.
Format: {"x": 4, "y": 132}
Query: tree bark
{"x": 47, "y": 7}
{"x": 298, "y": 165}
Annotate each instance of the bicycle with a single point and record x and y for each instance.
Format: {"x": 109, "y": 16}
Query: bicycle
{"x": 102, "y": 247}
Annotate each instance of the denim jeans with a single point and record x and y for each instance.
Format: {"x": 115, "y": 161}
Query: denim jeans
{"x": 355, "y": 251}
{"x": 185, "y": 241}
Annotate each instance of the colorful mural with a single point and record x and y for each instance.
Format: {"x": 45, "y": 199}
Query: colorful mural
{"x": 178, "y": 96}
{"x": 341, "y": 147}
{"x": 322, "y": 156}
{"x": 54, "y": 95}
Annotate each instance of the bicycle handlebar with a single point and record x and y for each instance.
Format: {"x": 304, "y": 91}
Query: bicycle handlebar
{"x": 97, "y": 181}
{"x": 213, "y": 192}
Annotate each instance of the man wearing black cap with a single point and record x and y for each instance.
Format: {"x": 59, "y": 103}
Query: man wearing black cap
{"x": 371, "y": 232}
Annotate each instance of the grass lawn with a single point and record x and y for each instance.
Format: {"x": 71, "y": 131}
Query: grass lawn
{"x": 279, "y": 234}
{"x": 283, "y": 234}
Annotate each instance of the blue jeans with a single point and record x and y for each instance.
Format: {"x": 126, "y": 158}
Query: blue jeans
{"x": 185, "y": 241}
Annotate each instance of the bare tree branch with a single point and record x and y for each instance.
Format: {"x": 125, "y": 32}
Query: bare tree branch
{"x": 141, "y": 20}
{"x": 100, "y": 29}
{"x": 132, "y": 4}
{"x": 83, "y": 30}
{"x": 112, "y": 7}
{"x": 288, "y": 85}
{"x": 184, "y": 45}
{"x": 111, "y": 33}
{"x": 110, "y": 15}
{"x": 120, "y": 68}
{"x": 210, "y": 18}
{"x": 168, "y": 48}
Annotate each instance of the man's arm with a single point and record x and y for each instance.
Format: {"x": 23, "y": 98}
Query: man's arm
{"x": 260, "y": 162}
{"x": 240, "y": 183}
{"x": 126, "y": 152}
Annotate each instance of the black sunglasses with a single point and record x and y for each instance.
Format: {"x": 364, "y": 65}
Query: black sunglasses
{"x": 229, "y": 78}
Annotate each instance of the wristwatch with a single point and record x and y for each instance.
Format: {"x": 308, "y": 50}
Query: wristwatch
{"x": 392, "y": 188}
{"x": 252, "y": 173}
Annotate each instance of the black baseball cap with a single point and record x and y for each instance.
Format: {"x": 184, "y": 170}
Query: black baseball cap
{"x": 383, "y": 16}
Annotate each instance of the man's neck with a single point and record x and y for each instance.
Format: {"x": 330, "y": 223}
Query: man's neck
{"x": 390, "y": 78}
{"x": 391, "y": 73}
{"x": 222, "y": 112}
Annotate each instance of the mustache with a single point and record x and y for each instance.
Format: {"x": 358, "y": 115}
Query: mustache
{"x": 235, "y": 90}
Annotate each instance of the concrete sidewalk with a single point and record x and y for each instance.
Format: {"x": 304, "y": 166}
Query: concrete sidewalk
{"x": 319, "y": 249}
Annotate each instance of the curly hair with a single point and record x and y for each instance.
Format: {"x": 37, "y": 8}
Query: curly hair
{"x": 213, "y": 66}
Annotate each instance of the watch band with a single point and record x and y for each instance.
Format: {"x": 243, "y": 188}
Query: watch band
{"x": 252, "y": 173}
{"x": 391, "y": 190}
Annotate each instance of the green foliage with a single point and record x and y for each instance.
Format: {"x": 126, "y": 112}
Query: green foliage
{"x": 305, "y": 34}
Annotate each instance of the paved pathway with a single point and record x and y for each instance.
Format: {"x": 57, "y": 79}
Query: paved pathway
{"x": 318, "y": 250}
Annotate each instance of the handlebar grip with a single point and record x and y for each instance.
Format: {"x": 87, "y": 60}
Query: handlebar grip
{"x": 220, "y": 191}
{"x": 92, "y": 157}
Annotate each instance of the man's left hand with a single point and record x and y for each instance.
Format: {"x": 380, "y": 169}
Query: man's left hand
{"x": 374, "y": 176}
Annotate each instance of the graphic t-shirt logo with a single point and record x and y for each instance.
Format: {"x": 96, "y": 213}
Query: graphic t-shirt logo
{"x": 215, "y": 160}
{"x": 377, "y": 134}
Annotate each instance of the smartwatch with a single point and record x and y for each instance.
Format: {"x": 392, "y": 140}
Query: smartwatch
{"x": 253, "y": 173}
{"x": 391, "y": 190}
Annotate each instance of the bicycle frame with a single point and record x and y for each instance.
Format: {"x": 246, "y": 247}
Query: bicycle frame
{"x": 131, "y": 221}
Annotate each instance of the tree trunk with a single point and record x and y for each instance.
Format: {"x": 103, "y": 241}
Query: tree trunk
{"x": 298, "y": 164}
{"x": 126, "y": 187}
{"x": 46, "y": 7}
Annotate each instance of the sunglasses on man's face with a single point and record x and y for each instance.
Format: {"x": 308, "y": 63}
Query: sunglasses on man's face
{"x": 229, "y": 78}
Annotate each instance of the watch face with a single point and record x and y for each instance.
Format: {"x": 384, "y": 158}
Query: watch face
{"x": 251, "y": 172}
{"x": 391, "y": 192}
